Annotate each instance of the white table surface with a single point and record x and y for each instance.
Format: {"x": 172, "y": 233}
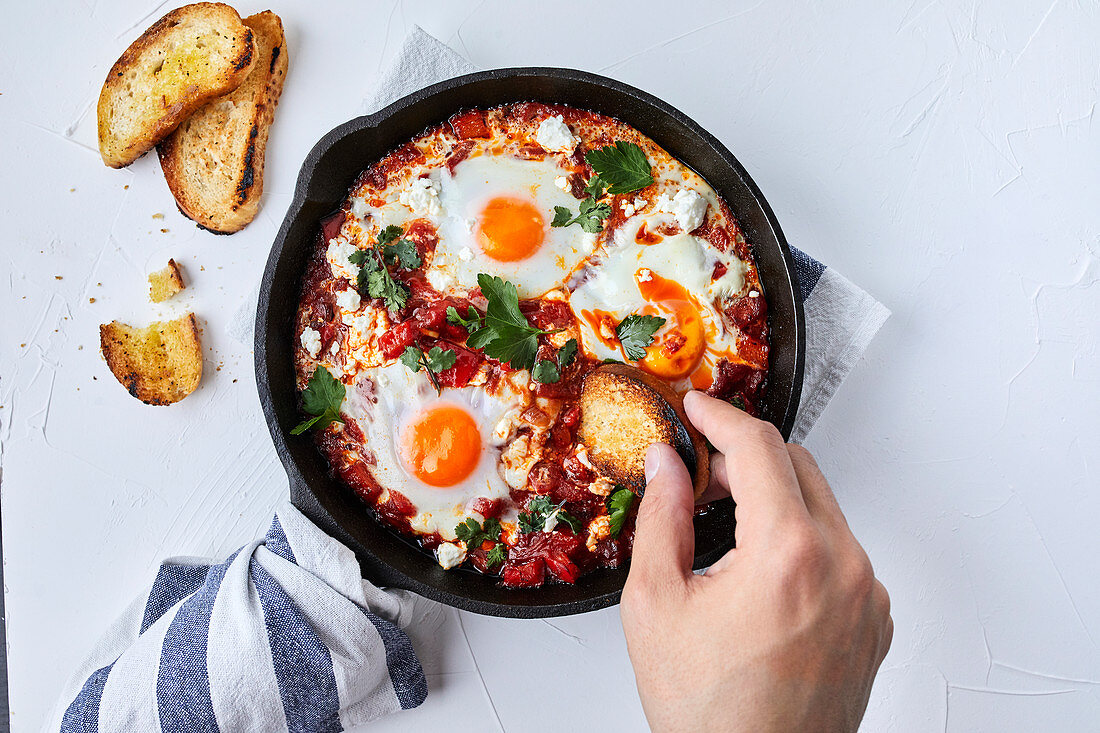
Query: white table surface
{"x": 945, "y": 156}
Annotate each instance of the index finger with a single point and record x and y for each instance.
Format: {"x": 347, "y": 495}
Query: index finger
{"x": 758, "y": 468}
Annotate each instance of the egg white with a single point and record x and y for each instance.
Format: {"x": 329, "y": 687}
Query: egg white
{"x": 386, "y": 399}
{"x": 459, "y": 257}
{"x": 609, "y": 284}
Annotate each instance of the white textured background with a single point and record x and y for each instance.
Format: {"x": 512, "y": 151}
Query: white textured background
{"x": 944, "y": 155}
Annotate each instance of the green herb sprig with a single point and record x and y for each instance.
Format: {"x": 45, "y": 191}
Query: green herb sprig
{"x": 540, "y": 509}
{"x": 618, "y": 506}
{"x": 504, "y": 333}
{"x": 549, "y": 371}
{"x": 635, "y": 333}
{"x": 375, "y": 280}
{"x": 321, "y": 398}
{"x": 433, "y": 361}
{"x": 620, "y": 168}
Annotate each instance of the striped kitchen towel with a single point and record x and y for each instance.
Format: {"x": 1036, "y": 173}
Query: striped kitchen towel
{"x": 284, "y": 635}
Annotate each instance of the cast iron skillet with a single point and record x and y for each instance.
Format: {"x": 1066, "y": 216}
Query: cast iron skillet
{"x": 386, "y": 558}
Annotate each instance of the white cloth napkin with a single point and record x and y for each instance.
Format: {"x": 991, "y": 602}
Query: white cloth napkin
{"x": 284, "y": 635}
{"x": 841, "y": 318}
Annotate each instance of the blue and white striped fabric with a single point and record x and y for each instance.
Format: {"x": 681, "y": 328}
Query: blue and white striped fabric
{"x": 283, "y": 636}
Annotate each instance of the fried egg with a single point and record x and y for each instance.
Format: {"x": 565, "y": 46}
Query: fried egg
{"x": 497, "y": 214}
{"x": 670, "y": 276}
{"x": 439, "y": 451}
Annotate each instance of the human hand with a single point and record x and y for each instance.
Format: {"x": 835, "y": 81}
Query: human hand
{"x": 786, "y": 631}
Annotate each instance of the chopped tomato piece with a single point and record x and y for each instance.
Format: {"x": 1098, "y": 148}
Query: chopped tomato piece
{"x": 528, "y": 575}
{"x": 466, "y": 365}
{"x": 487, "y": 507}
{"x": 393, "y": 342}
{"x": 470, "y": 124}
{"x": 431, "y": 316}
{"x": 562, "y": 567}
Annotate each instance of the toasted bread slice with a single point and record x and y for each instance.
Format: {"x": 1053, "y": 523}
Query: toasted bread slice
{"x": 165, "y": 283}
{"x": 159, "y": 364}
{"x": 625, "y": 410}
{"x": 185, "y": 59}
{"x": 214, "y": 161}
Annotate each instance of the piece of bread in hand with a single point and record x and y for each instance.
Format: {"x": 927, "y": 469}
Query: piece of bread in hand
{"x": 159, "y": 364}
{"x": 623, "y": 411}
{"x": 214, "y": 161}
{"x": 190, "y": 56}
{"x": 165, "y": 282}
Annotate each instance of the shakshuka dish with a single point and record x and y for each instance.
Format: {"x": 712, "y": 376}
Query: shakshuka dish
{"x": 455, "y": 303}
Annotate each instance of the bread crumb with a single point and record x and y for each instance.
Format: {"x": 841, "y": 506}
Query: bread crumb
{"x": 165, "y": 283}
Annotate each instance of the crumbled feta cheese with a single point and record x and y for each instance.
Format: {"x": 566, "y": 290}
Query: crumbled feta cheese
{"x": 598, "y": 528}
{"x": 360, "y": 209}
{"x": 516, "y": 461}
{"x": 687, "y": 206}
{"x": 582, "y": 456}
{"x": 587, "y": 242}
{"x": 639, "y": 202}
{"x": 311, "y": 341}
{"x": 754, "y": 294}
{"x": 562, "y": 182}
{"x": 348, "y": 299}
{"x": 335, "y": 347}
{"x": 601, "y": 486}
{"x": 450, "y": 554}
{"x": 628, "y": 208}
{"x": 550, "y": 523}
{"x": 440, "y": 279}
{"x": 553, "y": 134}
{"x": 645, "y": 275}
{"x": 465, "y": 254}
{"x": 505, "y": 427}
{"x": 338, "y": 252}
{"x": 422, "y": 196}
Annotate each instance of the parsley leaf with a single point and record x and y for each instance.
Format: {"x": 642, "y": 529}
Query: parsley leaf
{"x": 434, "y": 361}
{"x": 573, "y": 522}
{"x": 636, "y": 333}
{"x": 374, "y": 280}
{"x": 496, "y": 555}
{"x": 505, "y": 334}
{"x": 471, "y": 322}
{"x": 321, "y": 398}
{"x": 473, "y": 534}
{"x": 540, "y": 509}
{"x": 545, "y": 372}
{"x": 402, "y": 253}
{"x": 618, "y": 505}
{"x": 549, "y": 372}
{"x": 590, "y": 218}
{"x": 621, "y": 167}
{"x": 389, "y": 234}
{"x": 567, "y": 353}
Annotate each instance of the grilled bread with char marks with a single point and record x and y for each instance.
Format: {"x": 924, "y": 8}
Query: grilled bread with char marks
{"x": 623, "y": 411}
{"x": 159, "y": 364}
{"x": 190, "y": 56}
{"x": 214, "y": 161}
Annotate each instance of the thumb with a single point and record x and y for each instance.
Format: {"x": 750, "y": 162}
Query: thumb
{"x": 664, "y": 536}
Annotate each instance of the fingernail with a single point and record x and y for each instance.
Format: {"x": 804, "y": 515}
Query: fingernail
{"x": 652, "y": 462}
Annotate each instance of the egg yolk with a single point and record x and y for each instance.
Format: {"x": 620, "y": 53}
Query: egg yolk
{"x": 510, "y": 229}
{"x": 676, "y": 352}
{"x": 441, "y": 446}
